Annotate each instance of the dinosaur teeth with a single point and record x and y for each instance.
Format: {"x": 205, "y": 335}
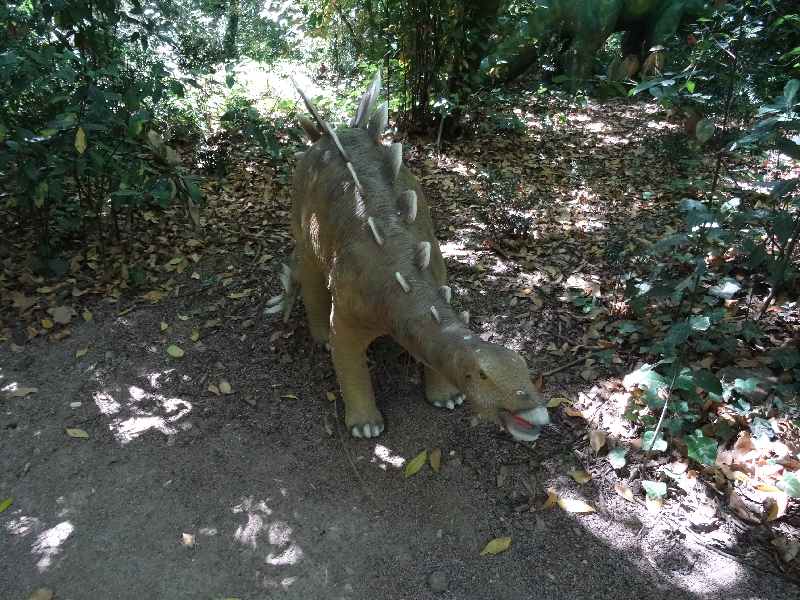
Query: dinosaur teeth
{"x": 435, "y": 314}
{"x": 464, "y": 315}
{"x": 409, "y": 199}
{"x": 375, "y": 233}
{"x": 423, "y": 255}
{"x": 379, "y": 121}
{"x": 395, "y": 158}
{"x": 402, "y": 281}
{"x": 446, "y": 293}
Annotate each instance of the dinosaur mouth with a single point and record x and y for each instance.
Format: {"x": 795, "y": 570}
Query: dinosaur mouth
{"x": 525, "y": 425}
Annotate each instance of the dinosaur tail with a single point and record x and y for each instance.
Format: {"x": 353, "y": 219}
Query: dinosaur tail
{"x": 283, "y": 303}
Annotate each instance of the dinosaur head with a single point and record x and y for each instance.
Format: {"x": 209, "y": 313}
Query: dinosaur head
{"x": 497, "y": 384}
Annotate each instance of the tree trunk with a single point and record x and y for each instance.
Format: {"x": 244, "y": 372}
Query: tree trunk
{"x": 232, "y": 30}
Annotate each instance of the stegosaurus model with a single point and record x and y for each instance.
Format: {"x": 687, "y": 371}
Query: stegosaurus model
{"x": 367, "y": 264}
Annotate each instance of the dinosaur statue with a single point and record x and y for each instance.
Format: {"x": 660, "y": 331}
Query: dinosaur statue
{"x": 367, "y": 264}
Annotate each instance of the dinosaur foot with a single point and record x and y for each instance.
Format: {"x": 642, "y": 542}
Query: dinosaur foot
{"x": 368, "y": 430}
{"x": 450, "y": 403}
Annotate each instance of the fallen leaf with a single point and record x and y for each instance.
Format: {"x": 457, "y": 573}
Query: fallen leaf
{"x": 183, "y": 317}
{"x": 775, "y": 505}
{"x": 164, "y": 326}
{"x": 77, "y": 433}
{"x": 6, "y": 503}
{"x": 175, "y": 351}
{"x": 22, "y": 302}
{"x": 62, "y": 314}
{"x": 195, "y": 335}
{"x": 330, "y": 396}
{"x": 555, "y": 401}
{"x": 496, "y": 546}
{"x": 81, "y": 352}
{"x": 765, "y": 487}
{"x": 80, "y": 140}
{"x": 47, "y": 323}
{"x": 624, "y": 491}
{"x": 21, "y": 392}
{"x": 597, "y": 439}
{"x": 154, "y": 296}
{"x": 436, "y": 459}
{"x": 580, "y": 476}
{"x": 287, "y": 396}
{"x": 225, "y": 387}
{"x": 212, "y": 387}
{"x": 573, "y": 412}
{"x": 552, "y": 499}
{"x": 87, "y": 315}
{"x": 42, "y": 594}
{"x": 575, "y": 506}
{"x": 653, "y": 504}
{"x": 415, "y": 464}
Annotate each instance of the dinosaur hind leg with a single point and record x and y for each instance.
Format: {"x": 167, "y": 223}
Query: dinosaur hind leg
{"x": 349, "y": 345}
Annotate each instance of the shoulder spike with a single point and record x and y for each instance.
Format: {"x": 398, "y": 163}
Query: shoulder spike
{"x": 311, "y": 108}
{"x": 367, "y": 102}
{"x": 409, "y": 199}
{"x": 446, "y": 293}
{"x": 312, "y": 133}
{"x": 396, "y": 158}
{"x": 379, "y": 121}
{"x": 375, "y": 233}
{"x": 402, "y": 281}
{"x": 423, "y": 255}
{"x": 435, "y": 314}
{"x": 464, "y": 316}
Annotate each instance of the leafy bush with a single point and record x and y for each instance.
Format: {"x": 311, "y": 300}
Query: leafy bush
{"x": 80, "y": 91}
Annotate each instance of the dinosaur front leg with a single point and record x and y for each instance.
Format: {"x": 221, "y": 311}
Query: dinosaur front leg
{"x": 349, "y": 347}
{"x": 440, "y": 392}
{"x": 317, "y": 300}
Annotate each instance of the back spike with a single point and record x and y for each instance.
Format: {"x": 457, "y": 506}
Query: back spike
{"x": 408, "y": 200}
{"x": 435, "y": 314}
{"x": 311, "y": 108}
{"x": 367, "y": 103}
{"x": 402, "y": 281}
{"x": 379, "y": 121}
{"x": 423, "y": 255}
{"x": 312, "y": 133}
{"x": 375, "y": 233}
{"x": 395, "y": 158}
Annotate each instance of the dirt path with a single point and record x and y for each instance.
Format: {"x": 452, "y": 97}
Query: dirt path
{"x": 181, "y": 492}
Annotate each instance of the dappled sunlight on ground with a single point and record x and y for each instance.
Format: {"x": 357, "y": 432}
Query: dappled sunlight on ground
{"x": 139, "y": 411}
{"x": 384, "y": 458}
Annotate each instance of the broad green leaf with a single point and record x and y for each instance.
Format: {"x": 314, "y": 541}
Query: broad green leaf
{"x": 80, "y": 140}
{"x": 175, "y": 351}
{"x": 6, "y": 503}
{"x": 790, "y": 91}
{"x": 645, "y": 376}
{"x": 706, "y": 380}
{"x": 496, "y": 546}
{"x": 704, "y": 130}
{"x": 415, "y": 464}
{"x": 650, "y": 443}
{"x": 77, "y": 433}
{"x": 617, "y": 457}
{"x": 701, "y": 449}
{"x": 690, "y": 86}
{"x": 699, "y": 323}
{"x": 654, "y": 489}
{"x": 791, "y": 485}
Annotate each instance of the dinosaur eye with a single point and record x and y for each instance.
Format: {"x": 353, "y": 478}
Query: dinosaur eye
{"x": 483, "y": 374}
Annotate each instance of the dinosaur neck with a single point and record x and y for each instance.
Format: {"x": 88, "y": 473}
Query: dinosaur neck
{"x": 448, "y": 347}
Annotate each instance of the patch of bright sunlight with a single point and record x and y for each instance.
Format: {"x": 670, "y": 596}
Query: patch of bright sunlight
{"x": 454, "y": 249}
{"x": 292, "y": 555}
{"x": 141, "y": 412}
{"x": 247, "y": 534}
{"x": 48, "y": 543}
{"x": 279, "y": 533}
{"x": 612, "y": 140}
{"x": 658, "y": 125}
{"x": 384, "y": 457}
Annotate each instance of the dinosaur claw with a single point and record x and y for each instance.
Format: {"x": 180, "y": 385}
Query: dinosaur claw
{"x": 450, "y": 404}
{"x": 459, "y": 399}
{"x": 438, "y": 404}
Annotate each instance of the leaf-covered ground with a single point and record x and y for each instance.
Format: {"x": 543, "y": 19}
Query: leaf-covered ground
{"x": 161, "y": 437}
